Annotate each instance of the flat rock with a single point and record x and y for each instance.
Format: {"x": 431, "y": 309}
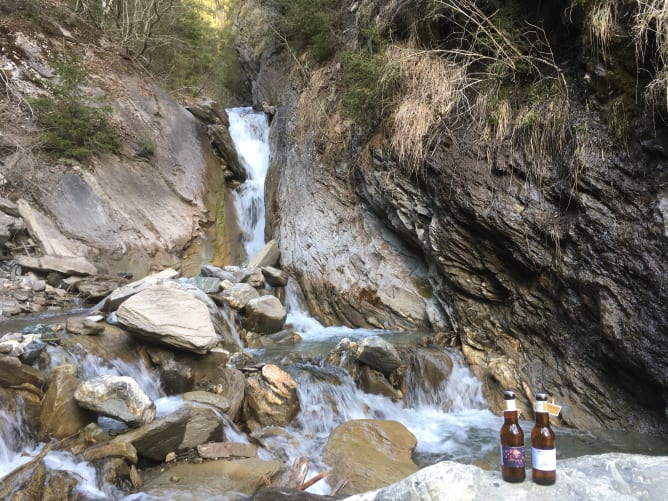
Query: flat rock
{"x": 70, "y": 265}
{"x": 215, "y": 450}
{"x": 613, "y": 477}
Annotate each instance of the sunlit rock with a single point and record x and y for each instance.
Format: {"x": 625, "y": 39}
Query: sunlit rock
{"x": 238, "y": 295}
{"x": 369, "y": 454}
{"x": 118, "y": 397}
{"x": 265, "y": 315}
{"x": 271, "y": 398}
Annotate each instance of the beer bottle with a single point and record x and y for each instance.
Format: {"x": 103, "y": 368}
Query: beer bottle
{"x": 512, "y": 442}
{"x": 543, "y": 452}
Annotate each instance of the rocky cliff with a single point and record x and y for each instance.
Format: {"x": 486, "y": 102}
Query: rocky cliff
{"x": 145, "y": 207}
{"x": 548, "y": 265}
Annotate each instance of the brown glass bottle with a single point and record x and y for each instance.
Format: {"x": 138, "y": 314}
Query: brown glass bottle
{"x": 543, "y": 451}
{"x": 512, "y": 442}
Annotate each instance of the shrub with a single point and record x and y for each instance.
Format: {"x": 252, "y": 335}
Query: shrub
{"x": 370, "y": 86}
{"x": 73, "y": 129}
{"x": 307, "y": 25}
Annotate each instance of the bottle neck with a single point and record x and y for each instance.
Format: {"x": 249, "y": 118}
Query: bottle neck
{"x": 542, "y": 418}
{"x": 510, "y": 416}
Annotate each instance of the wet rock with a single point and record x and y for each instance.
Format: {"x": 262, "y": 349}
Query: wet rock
{"x": 606, "y": 476}
{"x": 177, "y": 377}
{"x": 206, "y": 397}
{"x": 32, "y": 350}
{"x": 84, "y": 326}
{"x": 169, "y": 316}
{"x": 221, "y": 141}
{"x": 113, "y": 449}
{"x": 271, "y": 398}
{"x": 379, "y": 354}
{"x": 15, "y": 373}
{"x": 269, "y": 255}
{"x": 118, "y": 397}
{"x": 373, "y": 381}
{"x": 238, "y": 295}
{"x": 275, "y": 277}
{"x": 209, "y": 479}
{"x": 217, "y": 450}
{"x": 179, "y": 431}
{"x": 94, "y": 434}
{"x": 369, "y": 454}
{"x": 265, "y": 315}
{"x": 288, "y": 494}
{"x": 60, "y": 415}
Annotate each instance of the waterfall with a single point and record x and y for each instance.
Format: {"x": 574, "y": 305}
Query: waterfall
{"x": 249, "y": 130}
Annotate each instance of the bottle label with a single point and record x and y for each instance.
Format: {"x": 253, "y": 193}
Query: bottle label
{"x": 544, "y": 459}
{"x": 512, "y": 457}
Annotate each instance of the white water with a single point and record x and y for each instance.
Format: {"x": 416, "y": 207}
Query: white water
{"x": 249, "y": 130}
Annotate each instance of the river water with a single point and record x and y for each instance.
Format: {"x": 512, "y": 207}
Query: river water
{"x": 450, "y": 420}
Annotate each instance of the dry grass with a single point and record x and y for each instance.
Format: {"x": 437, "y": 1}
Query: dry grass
{"x": 603, "y": 26}
{"x": 433, "y": 95}
{"x": 651, "y": 25}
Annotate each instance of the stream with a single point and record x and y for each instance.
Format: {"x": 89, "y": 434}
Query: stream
{"x": 451, "y": 421}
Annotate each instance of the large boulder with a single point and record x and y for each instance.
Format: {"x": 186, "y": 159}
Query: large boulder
{"x": 118, "y": 397}
{"x": 379, "y": 354}
{"x": 369, "y": 454}
{"x": 237, "y": 296}
{"x": 614, "y": 477}
{"x": 15, "y": 373}
{"x": 119, "y": 295}
{"x": 265, "y": 315}
{"x": 184, "y": 429}
{"x": 170, "y": 316}
{"x": 271, "y": 398}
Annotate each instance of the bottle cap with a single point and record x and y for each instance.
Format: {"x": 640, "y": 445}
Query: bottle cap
{"x": 509, "y": 395}
{"x": 542, "y": 396}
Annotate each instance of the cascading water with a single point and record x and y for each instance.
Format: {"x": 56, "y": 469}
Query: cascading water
{"x": 249, "y": 130}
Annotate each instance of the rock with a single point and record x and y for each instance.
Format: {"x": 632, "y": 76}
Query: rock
{"x": 217, "y": 450}
{"x": 15, "y": 373}
{"x": 179, "y": 431}
{"x": 221, "y": 141}
{"x": 255, "y": 279}
{"x": 369, "y": 454}
{"x": 379, "y": 354}
{"x": 265, "y": 315}
{"x": 9, "y": 306}
{"x": 32, "y": 351}
{"x": 209, "y": 112}
{"x": 208, "y": 480}
{"x": 60, "y": 416}
{"x": 113, "y": 449}
{"x": 607, "y": 476}
{"x": 70, "y": 265}
{"x": 269, "y": 255}
{"x": 118, "y": 397}
{"x": 271, "y": 398}
{"x": 117, "y": 297}
{"x": 208, "y": 398}
{"x": 288, "y": 494}
{"x": 9, "y": 207}
{"x": 209, "y": 285}
{"x": 98, "y": 287}
{"x": 373, "y": 381}
{"x": 275, "y": 277}
{"x": 9, "y": 225}
{"x": 239, "y": 295}
{"x": 83, "y": 326}
{"x": 169, "y": 316}
{"x": 208, "y": 270}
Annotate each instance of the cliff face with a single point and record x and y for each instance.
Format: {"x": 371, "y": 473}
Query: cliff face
{"x": 555, "y": 280}
{"x": 145, "y": 207}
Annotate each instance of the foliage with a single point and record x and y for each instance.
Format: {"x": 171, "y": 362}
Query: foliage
{"x": 73, "y": 129}
{"x": 188, "y": 44}
{"x": 307, "y": 25}
{"x": 370, "y": 85}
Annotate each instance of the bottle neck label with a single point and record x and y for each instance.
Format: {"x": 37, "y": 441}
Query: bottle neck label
{"x": 512, "y": 457}
{"x": 510, "y": 405}
{"x": 540, "y": 406}
{"x": 544, "y": 459}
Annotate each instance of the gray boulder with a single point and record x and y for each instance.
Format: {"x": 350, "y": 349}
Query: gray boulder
{"x": 171, "y": 316}
{"x": 379, "y": 354}
{"x": 265, "y": 315}
{"x": 118, "y": 397}
{"x": 238, "y": 295}
{"x": 613, "y": 477}
{"x": 269, "y": 255}
{"x": 182, "y": 430}
{"x": 118, "y": 296}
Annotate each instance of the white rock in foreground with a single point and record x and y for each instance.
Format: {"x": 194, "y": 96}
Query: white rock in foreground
{"x": 607, "y": 476}
{"x": 170, "y": 316}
